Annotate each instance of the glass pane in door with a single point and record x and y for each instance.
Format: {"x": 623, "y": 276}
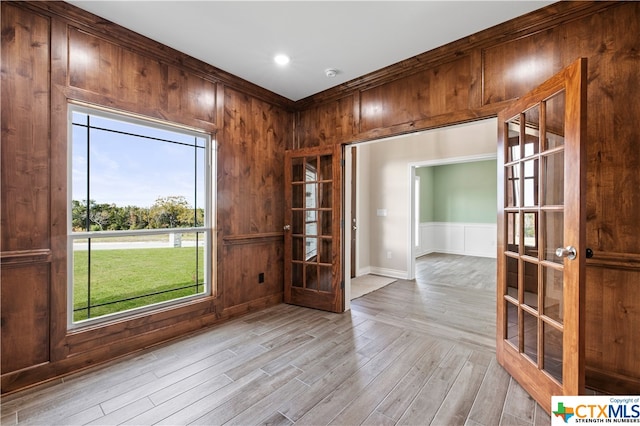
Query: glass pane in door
{"x": 296, "y": 272}
{"x": 513, "y": 186}
{"x": 311, "y": 170}
{"x": 297, "y": 222}
{"x": 298, "y": 248}
{"x": 554, "y": 235}
{"x": 297, "y": 170}
{"x": 554, "y": 124}
{"x": 513, "y": 140}
{"x": 530, "y": 194}
{"x": 297, "y": 196}
{"x": 530, "y": 336}
{"x": 325, "y": 277}
{"x": 531, "y": 234}
{"x": 325, "y": 250}
{"x": 512, "y": 276}
{"x": 325, "y": 223}
{"x": 312, "y": 215}
{"x": 513, "y": 232}
{"x": 533, "y": 229}
{"x": 311, "y": 276}
{"x": 552, "y": 349}
{"x": 530, "y": 297}
{"x": 326, "y": 168}
{"x": 553, "y": 171}
{"x": 512, "y": 332}
{"x": 532, "y": 131}
{"x": 311, "y": 222}
{"x": 325, "y": 195}
{"x": 552, "y": 290}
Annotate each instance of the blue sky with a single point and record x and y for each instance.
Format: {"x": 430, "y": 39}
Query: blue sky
{"x": 127, "y": 170}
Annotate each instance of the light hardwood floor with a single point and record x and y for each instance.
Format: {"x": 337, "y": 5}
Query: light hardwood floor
{"x": 414, "y": 352}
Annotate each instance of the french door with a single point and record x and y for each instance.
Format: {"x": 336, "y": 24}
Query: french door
{"x": 541, "y": 237}
{"x": 312, "y": 231}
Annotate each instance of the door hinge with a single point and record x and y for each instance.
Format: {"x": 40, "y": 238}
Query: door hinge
{"x": 342, "y": 163}
{"x": 341, "y": 223}
{"x": 342, "y": 285}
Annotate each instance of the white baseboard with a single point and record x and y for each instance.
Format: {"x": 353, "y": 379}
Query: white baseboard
{"x": 393, "y": 273}
{"x": 363, "y": 271}
{"x": 421, "y": 251}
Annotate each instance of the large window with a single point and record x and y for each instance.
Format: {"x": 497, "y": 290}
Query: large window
{"x": 139, "y": 214}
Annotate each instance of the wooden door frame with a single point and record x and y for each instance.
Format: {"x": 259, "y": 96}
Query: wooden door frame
{"x": 354, "y": 210}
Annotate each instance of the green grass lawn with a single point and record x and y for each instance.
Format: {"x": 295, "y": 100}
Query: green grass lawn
{"x": 121, "y": 274}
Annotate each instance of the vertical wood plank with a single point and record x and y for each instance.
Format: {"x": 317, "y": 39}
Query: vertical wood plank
{"x": 25, "y": 165}
{"x": 25, "y": 346}
{"x": 59, "y": 80}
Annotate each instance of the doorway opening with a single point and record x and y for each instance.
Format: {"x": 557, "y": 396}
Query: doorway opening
{"x": 389, "y": 235}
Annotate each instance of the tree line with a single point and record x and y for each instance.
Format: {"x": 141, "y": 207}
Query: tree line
{"x": 166, "y": 212}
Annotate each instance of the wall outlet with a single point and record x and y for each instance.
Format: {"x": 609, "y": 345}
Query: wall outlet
{"x": 389, "y": 254}
{"x": 261, "y": 278}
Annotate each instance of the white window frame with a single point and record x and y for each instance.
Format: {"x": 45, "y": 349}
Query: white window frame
{"x": 207, "y": 229}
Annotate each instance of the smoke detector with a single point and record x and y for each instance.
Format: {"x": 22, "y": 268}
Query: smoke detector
{"x": 331, "y": 72}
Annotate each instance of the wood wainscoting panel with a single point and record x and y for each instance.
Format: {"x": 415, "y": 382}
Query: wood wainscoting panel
{"x": 429, "y": 93}
{"x": 148, "y": 86}
{"x": 327, "y": 124}
{"x": 518, "y": 66}
{"x": 113, "y": 336}
{"x": 613, "y": 207}
{"x": 25, "y": 131}
{"x": 247, "y": 264}
{"x": 25, "y": 168}
{"x": 25, "y": 316}
{"x": 250, "y": 186}
{"x": 613, "y": 315}
{"x": 250, "y": 191}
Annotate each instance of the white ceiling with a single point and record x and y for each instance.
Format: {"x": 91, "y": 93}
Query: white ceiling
{"x": 354, "y": 37}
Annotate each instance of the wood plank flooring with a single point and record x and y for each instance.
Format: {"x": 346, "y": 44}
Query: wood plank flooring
{"x": 414, "y": 352}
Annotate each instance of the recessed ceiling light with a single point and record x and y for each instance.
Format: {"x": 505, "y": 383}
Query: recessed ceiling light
{"x": 281, "y": 59}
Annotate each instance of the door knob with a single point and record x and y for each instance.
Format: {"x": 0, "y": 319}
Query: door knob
{"x": 287, "y": 227}
{"x": 569, "y": 252}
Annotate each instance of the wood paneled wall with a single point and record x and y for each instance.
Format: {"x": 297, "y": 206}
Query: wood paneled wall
{"x": 53, "y": 54}
{"x": 474, "y": 78}
{"x": 251, "y": 197}
{"x": 25, "y": 220}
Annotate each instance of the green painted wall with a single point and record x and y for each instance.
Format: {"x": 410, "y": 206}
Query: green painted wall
{"x": 465, "y": 192}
